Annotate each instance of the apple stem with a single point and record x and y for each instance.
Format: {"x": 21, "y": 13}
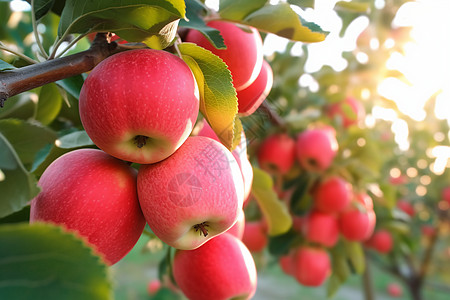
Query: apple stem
{"x": 140, "y": 140}
{"x": 202, "y": 228}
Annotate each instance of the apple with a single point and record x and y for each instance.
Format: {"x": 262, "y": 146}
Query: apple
{"x": 381, "y": 241}
{"x": 139, "y": 105}
{"x": 311, "y": 266}
{"x": 93, "y": 194}
{"x": 321, "y": 228}
{"x": 193, "y": 195}
{"x": 356, "y": 224}
{"x": 349, "y": 111}
{"x": 153, "y": 286}
{"x": 286, "y": 264}
{"x": 276, "y": 153}
{"x": 394, "y": 290}
{"x": 332, "y": 195}
{"x": 220, "y": 269}
{"x": 316, "y": 148}
{"x": 237, "y": 229}
{"x": 445, "y": 194}
{"x": 428, "y": 230}
{"x": 243, "y": 54}
{"x": 255, "y": 236}
{"x": 250, "y": 98}
{"x": 406, "y": 207}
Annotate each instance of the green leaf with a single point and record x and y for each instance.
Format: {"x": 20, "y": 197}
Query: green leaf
{"x": 20, "y": 106}
{"x": 275, "y": 212}
{"x": 302, "y": 3}
{"x": 355, "y": 254}
{"x": 42, "y": 7}
{"x": 75, "y": 139}
{"x": 26, "y": 138}
{"x": 301, "y": 200}
{"x": 193, "y": 10}
{"x": 238, "y": 10}
{"x": 353, "y": 6}
{"x": 283, "y": 21}
{"x": 339, "y": 260}
{"x": 72, "y": 85}
{"x": 49, "y": 104}
{"x": 153, "y": 22}
{"x": 218, "y": 101}
{"x": 5, "y": 66}
{"x": 280, "y": 244}
{"x": 17, "y": 186}
{"x": 333, "y": 285}
{"x": 41, "y": 261}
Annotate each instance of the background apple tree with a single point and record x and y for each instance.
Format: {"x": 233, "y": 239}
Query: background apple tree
{"x": 384, "y": 151}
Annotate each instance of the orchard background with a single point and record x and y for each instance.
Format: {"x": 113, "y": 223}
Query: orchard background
{"x": 390, "y": 57}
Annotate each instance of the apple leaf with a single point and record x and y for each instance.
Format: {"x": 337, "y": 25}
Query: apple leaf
{"x": 26, "y": 138}
{"x": 355, "y": 254}
{"x": 5, "y": 66}
{"x": 42, "y": 7}
{"x": 302, "y": 3}
{"x": 42, "y": 261}
{"x": 17, "y": 186}
{"x": 276, "y": 213}
{"x": 193, "y": 10}
{"x": 340, "y": 264}
{"x": 72, "y": 85}
{"x": 238, "y": 10}
{"x": 281, "y": 20}
{"x": 75, "y": 139}
{"x": 333, "y": 285}
{"x": 281, "y": 244}
{"x": 153, "y": 22}
{"x": 49, "y": 104}
{"x": 218, "y": 101}
{"x": 349, "y": 11}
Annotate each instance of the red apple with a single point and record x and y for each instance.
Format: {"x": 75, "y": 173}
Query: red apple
{"x": 428, "y": 230}
{"x": 394, "y": 289}
{"x": 193, "y": 195}
{"x": 316, "y": 149}
{"x": 321, "y": 228}
{"x": 365, "y": 200}
{"x": 381, "y": 241}
{"x": 243, "y": 55}
{"x": 357, "y": 225}
{"x": 139, "y": 105}
{"x": 255, "y": 236}
{"x": 287, "y": 264}
{"x": 277, "y": 153}
{"x": 445, "y": 194}
{"x": 349, "y": 110}
{"x": 250, "y": 98}
{"x": 406, "y": 207}
{"x": 332, "y": 195}
{"x": 153, "y": 286}
{"x": 237, "y": 229}
{"x": 94, "y": 194}
{"x": 311, "y": 265}
{"x": 221, "y": 269}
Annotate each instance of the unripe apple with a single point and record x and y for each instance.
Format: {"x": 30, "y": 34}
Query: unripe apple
{"x": 255, "y": 236}
{"x": 406, "y": 207}
{"x": 94, "y": 194}
{"x": 220, "y": 269}
{"x": 139, "y": 105}
{"x": 193, "y": 195}
{"x": 311, "y": 265}
{"x": 153, "y": 286}
{"x": 277, "y": 153}
{"x": 316, "y": 149}
{"x": 250, "y": 98}
{"x": 394, "y": 289}
{"x": 349, "y": 110}
{"x": 243, "y": 55}
{"x": 332, "y": 195}
{"x": 381, "y": 241}
{"x": 237, "y": 229}
{"x": 321, "y": 228}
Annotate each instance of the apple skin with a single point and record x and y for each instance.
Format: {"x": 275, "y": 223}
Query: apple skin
{"x": 321, "y": 228}
{"x": 139, "y": 93}
{"x": 237, "y": 229}
{"x": 332, "y": 195}
{"x": 243, "y": 55}
{"x": 286, "y": 264}
{"x": 394, "y": 290}
{"x": 93, "y": 194}
{"x": 339, "y": 109}
{"x": 381, "y": 241}
{"x": 357, "y": 225}
{"x": 221, "y": 269}
{"x": 311, "y": 265}
{"x": 406, "y": 207}
{"x": 316, "y": 148}
{"x": 276, "y": 154}
{"x": 199, "y": 183}
{"x": 250, "y": 98}
{"x": 255, "y": 236}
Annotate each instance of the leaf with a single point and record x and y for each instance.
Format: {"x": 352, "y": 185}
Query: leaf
{"x": 17, "y": 186}
{"x": 218, "y": 101}
{"x": 41, "y": 261}
{"x": 275, "y": 212}
{"x": 283, "y": 21}
{"x": 333, "y": 285}
{"x": 42, "y": 7}
{"x": 5, "y": 66}
{"x": 72, "y": 85}
{"x": 340, "y": 265}
{"x": 280, "y": 244}
{"x": 353, "y": 6}
{"x": 193, "y": 9}
{"x": 301, "y": 200}
{"x": 49, "y": 104}
{"x": 238, "y": 10}
{"x": 153, "y": 22}
{"x": 26, "y": 138}
{"x": 75, "y": 139}
{"x": 302, "y": 3}
{"x": 355, "y": 254}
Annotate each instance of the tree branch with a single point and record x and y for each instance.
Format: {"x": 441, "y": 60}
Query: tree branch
{"x": 16, "y": 81}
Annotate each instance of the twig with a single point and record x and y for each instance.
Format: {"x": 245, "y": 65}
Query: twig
{"x": 273, "y": 116}
{"x": 35, "y": 30}
{"x": 22, "y": 56}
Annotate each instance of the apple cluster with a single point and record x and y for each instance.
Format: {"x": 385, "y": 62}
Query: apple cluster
{"x": 139, "y": 107}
